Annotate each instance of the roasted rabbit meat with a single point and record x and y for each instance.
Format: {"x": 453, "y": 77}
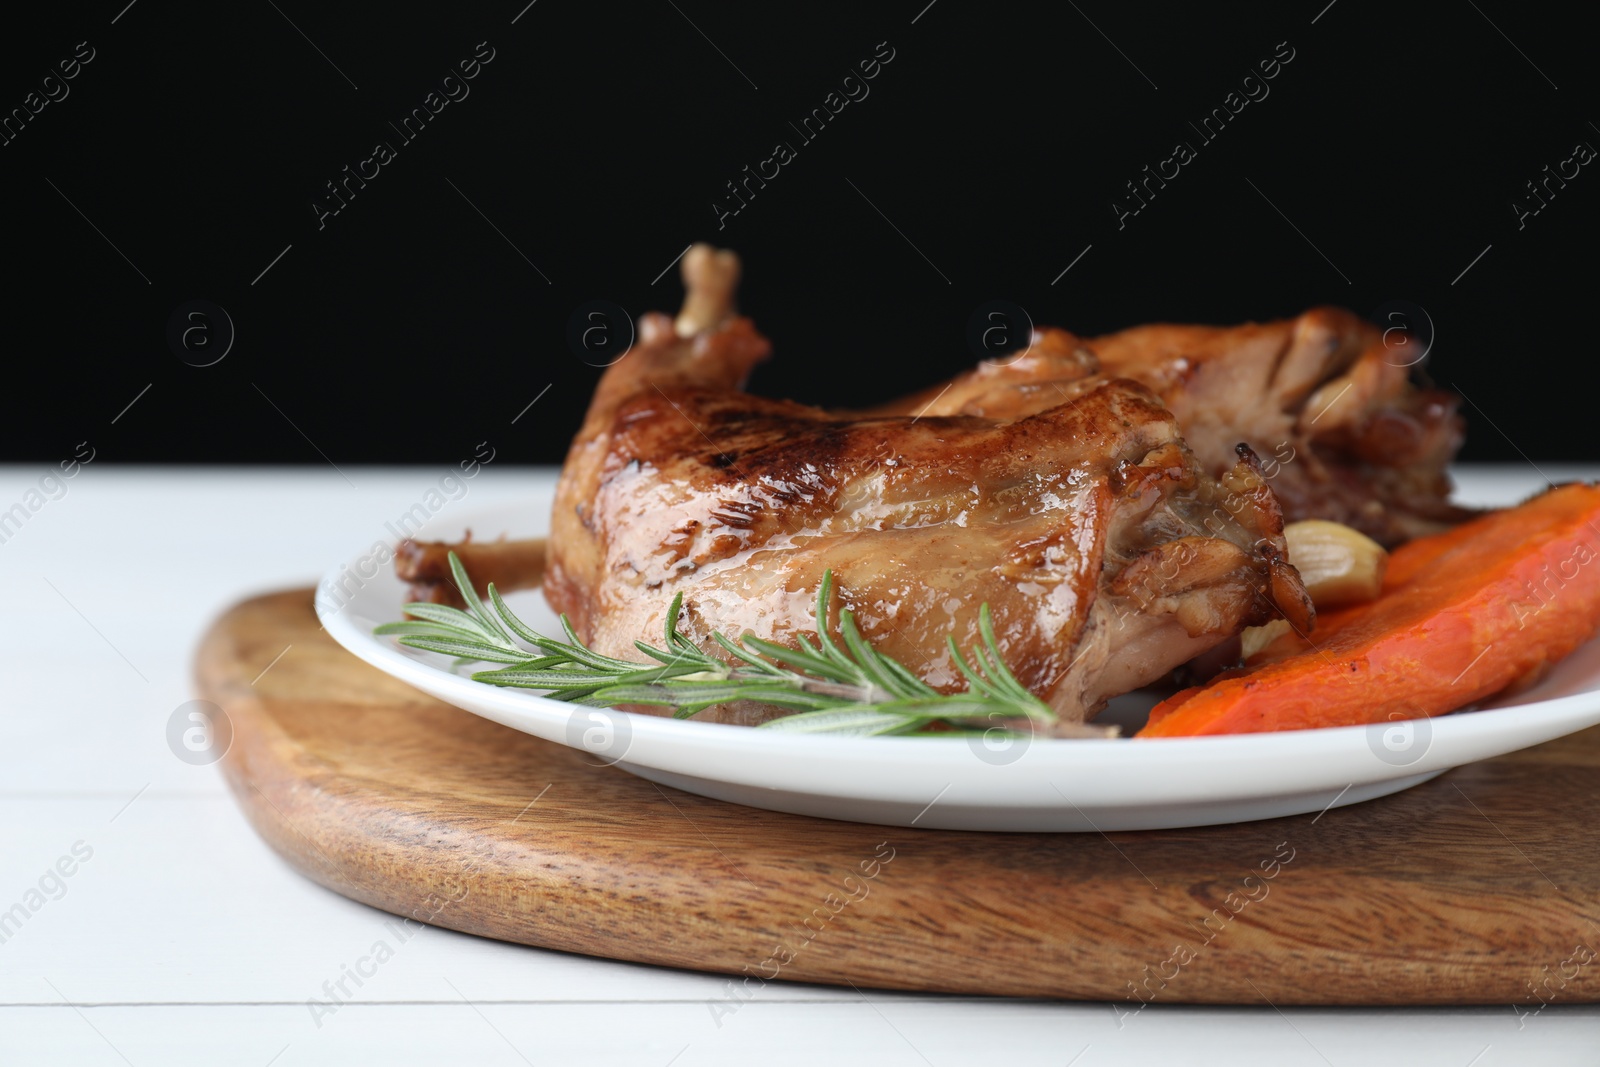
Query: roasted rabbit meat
{"x": 1106, "y": 551}
{"x": 1342, "y": 432}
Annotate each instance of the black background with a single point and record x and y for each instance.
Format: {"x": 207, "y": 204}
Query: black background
{"x": 411, "y": 326}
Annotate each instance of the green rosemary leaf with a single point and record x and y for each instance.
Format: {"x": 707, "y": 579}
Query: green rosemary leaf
{"x": 857, "y": 720}
{"x": 468, "y": 650}
{"x": 796, "y": 659}
{"x": 956, "y": 706}
{"x": 507, "y": 616}
{"x": 910, "y": 683}
{"x": 527, "y": 676}
{"x": 974, "y": 679}
{"x": 744, "y": 654}
{"x": 575, "y": 648}
{"x": 871, "y": 663}
{"x": 474, "y": 605}
{"x": 703, "y": 694}
{"x": 544, "y": 663}
{"x": 670, "y": 626}
{"x": 447, "y": 616}
{"x": 645, "y": 675}
{"x": 424, "y": 628}
{"x": 829, "y": 650}
{"x": 656, "y": 654}
{"x": 1000, "y": 674}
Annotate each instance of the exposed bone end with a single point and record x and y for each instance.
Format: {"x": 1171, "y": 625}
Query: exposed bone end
{"x": 656, "y": 329}
{"x": 509, "y": 565}
{"x": 710, "y": 279}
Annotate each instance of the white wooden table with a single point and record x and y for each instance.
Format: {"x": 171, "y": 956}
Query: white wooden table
{"x": 181, "y": 939}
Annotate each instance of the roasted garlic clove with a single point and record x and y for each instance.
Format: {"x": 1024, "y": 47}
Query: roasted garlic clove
{"x": 1339, "y": 565}
{"x": 1253, "y": 639}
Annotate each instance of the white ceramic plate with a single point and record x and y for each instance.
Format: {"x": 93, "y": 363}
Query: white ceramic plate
{"x": 965, "y": 783}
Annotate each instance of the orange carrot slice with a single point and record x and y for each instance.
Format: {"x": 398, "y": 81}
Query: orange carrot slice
{"x": 1461, "y": 616}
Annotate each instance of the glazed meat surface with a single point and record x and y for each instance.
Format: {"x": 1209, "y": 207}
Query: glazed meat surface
{"x": 1342, "y": 433}
{"x": 1105, "y": 551}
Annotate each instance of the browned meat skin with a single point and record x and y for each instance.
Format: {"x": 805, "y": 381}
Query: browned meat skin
{"x": 1349, "y": 437}
{"x": 1342, "y": 432}
{"x": 1021, "y": 385}
{"x": 1106, "y": 554}
{"x": 510, "y": 565}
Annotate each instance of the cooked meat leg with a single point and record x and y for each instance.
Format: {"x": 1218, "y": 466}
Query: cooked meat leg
{"x": 1106, "y": 553}
{"x": 1342, "y": 432}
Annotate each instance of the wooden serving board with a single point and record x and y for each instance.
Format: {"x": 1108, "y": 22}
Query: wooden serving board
{"x": 1481, "y": 886}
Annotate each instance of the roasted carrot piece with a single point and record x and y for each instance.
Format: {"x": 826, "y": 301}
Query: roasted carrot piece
{"x": 1461, "y": 616}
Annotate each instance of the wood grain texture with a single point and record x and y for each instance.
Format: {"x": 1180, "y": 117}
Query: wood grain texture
{"x": 1480, "y": 886}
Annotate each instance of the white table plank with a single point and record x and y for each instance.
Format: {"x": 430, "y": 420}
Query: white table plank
{"x": 882, "y": 1029}
{"x": 140, "y": 562}
{"x": 182, "y": 903}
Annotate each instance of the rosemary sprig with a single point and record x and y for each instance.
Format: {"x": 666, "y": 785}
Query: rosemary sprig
{"x": 831, "y": 688}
